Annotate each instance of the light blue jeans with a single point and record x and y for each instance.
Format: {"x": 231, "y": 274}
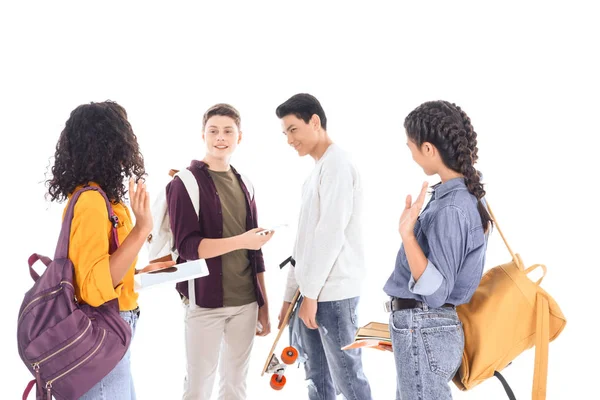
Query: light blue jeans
{"x": 329, "y": 369}
{"x": 428, "y": 345}
{"x": 118, "y": 384}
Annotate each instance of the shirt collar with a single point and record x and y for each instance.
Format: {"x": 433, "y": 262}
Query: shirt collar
{"x": 442, "y": 189}
{"x": 198, "y": 164}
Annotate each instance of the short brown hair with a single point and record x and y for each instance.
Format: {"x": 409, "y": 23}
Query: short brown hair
{"x": 225, "y": 110}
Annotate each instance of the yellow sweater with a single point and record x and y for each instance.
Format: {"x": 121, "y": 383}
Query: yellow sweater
{"x": 88, "y": 250}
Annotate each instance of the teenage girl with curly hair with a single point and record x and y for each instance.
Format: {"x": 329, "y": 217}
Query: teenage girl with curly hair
{"x": 98, "y": 148}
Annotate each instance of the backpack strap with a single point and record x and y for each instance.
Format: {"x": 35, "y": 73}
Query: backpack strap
{"x": 32, "y": 260}
{"x": 30, "y": 386}
{"x": 249, "y": 186}
{"x": 542, "y": 338}
{"x": 191, "y": 186}
{"x": 512, "y": 254}
{"x": 62, "y": 248}
{"x": 505, "y": 385}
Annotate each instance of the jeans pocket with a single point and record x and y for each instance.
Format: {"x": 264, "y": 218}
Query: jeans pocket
{"x": 397, "y": 323}
{"x": 353, "y": 316}
{"x": 444, "y": 347}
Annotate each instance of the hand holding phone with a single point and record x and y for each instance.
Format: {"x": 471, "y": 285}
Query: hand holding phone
{"x": 272, "y": 229}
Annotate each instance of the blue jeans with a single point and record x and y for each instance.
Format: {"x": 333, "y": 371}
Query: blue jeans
{"x": 428, "y": 345}
{"x": 118, "y": 384}
{"x": 330, "y": 370}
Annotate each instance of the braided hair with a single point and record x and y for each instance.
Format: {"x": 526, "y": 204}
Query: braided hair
{"x": 96, "y": 145}
{"x": 449, "y": 129}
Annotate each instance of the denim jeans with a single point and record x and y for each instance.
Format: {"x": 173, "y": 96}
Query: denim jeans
{"x": 330, "y": 370}
{"x": 118, "y": 384}
{"x": 428, "y": 345}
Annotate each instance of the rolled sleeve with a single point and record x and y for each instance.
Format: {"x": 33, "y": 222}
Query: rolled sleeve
{"x": 429, "y": 282}
{"x": 88, "y": 250}
{"x": 183, "y": 220}
{"x": 96, "y": 288}
{"x": 448, "y": 237}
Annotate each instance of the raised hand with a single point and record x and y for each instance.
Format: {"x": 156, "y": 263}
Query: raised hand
{"x": 140, "y": 205}
{"x": 411, "y": 212}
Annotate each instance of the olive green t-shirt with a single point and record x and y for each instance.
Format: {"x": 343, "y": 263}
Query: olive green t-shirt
{"x": 238, "y": 283}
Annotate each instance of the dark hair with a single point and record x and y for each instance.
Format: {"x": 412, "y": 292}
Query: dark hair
{"x": 449, "y": 129}
{"x": 224, "y": 110}
{"x": 303, "y": 106}
{"x": 96, "y": 145}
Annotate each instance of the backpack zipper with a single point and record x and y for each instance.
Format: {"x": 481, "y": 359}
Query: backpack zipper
{"x": 42, "y": 296}
{"x": 51, "y": 381}
{"x": 78, "y": 338}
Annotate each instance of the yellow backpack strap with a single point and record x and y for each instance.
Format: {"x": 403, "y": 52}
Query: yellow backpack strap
{"x": 512, "y": 254}
{"x": 542, "y": 338}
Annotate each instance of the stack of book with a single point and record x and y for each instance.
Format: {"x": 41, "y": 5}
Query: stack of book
{"x": 373, "y": 334}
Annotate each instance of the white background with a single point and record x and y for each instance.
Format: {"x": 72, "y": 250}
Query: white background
{"x": 527, "y": 74}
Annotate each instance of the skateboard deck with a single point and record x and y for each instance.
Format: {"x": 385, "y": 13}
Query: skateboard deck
{"x": 288, "y": 356}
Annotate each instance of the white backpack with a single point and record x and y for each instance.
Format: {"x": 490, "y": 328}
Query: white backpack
{"x": 161, "y": 243}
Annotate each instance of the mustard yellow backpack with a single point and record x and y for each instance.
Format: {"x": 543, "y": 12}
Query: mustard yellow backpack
{"x": 508, "y": 314}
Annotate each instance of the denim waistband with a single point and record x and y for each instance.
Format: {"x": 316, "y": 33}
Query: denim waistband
{"x": 135, "y": 311}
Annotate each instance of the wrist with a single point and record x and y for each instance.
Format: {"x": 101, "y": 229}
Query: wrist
{"x": 239, "y": 242}
{"x": 139, "y": 233}
{"x": 408, "y": 237}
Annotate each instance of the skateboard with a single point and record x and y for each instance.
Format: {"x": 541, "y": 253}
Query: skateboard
{"x": 289, "y": 355}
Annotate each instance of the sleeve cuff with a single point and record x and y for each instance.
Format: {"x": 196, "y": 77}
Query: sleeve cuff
{"x": 105, "y": 286}
{"x": 99, "y": 289}
{"x": 189, "y": 249}
{"x": 311, "y": 291}
{"x": 429, "y": 282}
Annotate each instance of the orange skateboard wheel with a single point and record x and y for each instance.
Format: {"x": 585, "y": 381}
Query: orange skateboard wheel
{"x": 276, "y": 382}
{"x": 289, "y": 355}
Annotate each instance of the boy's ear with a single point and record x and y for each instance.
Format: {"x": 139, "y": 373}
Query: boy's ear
{"x": 315, "y": 121}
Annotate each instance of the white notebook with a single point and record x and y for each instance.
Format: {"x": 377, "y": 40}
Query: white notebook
{"x": 183, "y": 272}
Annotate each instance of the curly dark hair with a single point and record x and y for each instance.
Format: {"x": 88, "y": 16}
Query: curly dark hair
{"x": 96, "y": 145}
{"x": 449, "y": 129}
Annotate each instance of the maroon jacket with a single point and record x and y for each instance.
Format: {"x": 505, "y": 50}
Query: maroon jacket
{"x": 189, "y": 231}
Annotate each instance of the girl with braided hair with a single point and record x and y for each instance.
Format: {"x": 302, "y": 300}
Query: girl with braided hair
{"x": 440, "y": 262}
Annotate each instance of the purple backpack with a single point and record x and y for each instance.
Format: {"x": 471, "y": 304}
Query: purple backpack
{"x": 67, "y": 346}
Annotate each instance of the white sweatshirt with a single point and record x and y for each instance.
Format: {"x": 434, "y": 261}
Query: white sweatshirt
{"x": 329, "y": 247}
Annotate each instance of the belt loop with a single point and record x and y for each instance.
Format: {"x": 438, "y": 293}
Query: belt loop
{"x": 425, "y": 306}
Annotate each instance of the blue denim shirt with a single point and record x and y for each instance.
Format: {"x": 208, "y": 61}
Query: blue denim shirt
{"x": 451, "y": 235}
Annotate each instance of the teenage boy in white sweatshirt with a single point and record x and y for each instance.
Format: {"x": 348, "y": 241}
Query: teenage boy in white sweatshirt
{"x": 329, "y": 255}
